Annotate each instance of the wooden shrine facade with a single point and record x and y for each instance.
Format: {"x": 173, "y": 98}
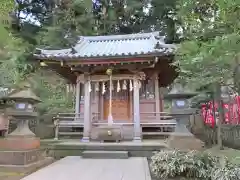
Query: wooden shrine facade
{"x": 150, "y": 98}
{"x": 117, "y": 78}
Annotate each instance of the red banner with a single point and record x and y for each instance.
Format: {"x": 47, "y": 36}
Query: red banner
{"x": 231, "y": 110}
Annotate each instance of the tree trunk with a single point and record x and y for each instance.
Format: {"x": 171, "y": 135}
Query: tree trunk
{"x": 236, "y": 74}
{"x": 219, "y": 101}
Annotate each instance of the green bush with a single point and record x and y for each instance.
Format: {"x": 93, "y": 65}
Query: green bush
{"x": 179, "y": 164}
{"x": 227, "y": 171}
{"x": 192, "y": 165}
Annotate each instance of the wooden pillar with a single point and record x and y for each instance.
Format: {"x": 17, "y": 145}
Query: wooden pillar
{"x": 131, "y": 105}
{"x": 77, "y": 101}
{"x": 87, "y": 120}
{"x": 101, "y": 105}
{"x": 136, "y": 108}
{"x": 157, "y": 98}
{"x": 161, "y": 99}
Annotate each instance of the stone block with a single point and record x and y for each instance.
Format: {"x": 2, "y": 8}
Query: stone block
{"x": 184, "y": 143}
{"x": 26, "y": 169}
{"x": 19, "y": 143}
{"x": 105, "y": 154}
{"x": 109, "y": 133}
{"x": 20, "y": 157}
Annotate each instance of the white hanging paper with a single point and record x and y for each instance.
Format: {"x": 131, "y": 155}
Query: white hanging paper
{"x": 124, "y": 86}
{"x": 130, "y": 85}
{"x": 90, "y": 87}
{"x": 118, "y": 86}
{"x": 103, "y": 88}
{"x": 97, "y": 87}
{"x": 68, "y": 89}
{"x": 139, "y": 84}
{"x": 74, "y": 88}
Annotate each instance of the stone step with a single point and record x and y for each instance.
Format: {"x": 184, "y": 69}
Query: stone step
{"x": 105, "y": 154}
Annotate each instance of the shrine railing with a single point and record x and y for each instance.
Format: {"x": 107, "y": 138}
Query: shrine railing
{"x": 152, "y": 123}
{"x": 145, "y": 117}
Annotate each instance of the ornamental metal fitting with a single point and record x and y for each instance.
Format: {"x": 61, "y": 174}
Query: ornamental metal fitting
{"x": 109, "y": 72}
{"x": 109, "y": 133}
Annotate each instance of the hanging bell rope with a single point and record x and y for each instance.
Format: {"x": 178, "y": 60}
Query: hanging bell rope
{"x": 112, "y": 86}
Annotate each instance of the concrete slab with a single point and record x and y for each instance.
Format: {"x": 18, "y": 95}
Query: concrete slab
{"x": 76, "y": 168}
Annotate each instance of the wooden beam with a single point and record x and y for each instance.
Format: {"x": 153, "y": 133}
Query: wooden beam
{"x": 102, "y": 67}
{"x": 98, "y": 78}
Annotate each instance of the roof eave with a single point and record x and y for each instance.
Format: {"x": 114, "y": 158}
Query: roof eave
{"x": 74, "y": 58}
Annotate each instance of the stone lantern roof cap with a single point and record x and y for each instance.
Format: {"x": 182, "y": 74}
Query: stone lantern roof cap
{"x": 22, "y": 94}
{"x": 178, "y": 92}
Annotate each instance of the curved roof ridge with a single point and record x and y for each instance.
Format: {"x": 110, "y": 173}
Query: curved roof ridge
{"x": 55, "y": 51}
{"x": 120, "y": 37}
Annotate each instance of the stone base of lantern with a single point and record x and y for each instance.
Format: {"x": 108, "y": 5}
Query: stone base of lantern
{"x": 182, "y": 142}
{"x": 22, "y": 170}
{"x": 20, "y": 157}
{"x": 21, "y": 152}
{"x": 19, "y": 143}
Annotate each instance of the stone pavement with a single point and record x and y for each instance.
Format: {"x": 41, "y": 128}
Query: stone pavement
{"x": 77, "y": 168}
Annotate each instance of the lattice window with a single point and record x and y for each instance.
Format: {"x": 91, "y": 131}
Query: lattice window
{"x": 147, "y": 90}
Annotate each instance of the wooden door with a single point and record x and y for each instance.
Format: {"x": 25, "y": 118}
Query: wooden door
{"x": 120, "y": 105}
{"x": 120, "y": 109}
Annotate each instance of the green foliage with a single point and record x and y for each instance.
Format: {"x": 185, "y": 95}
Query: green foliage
{"x": 207, "y": 62}
{"x": 192, "y": 165}
{"x": 227, "y": 172}
{"x": 179, "y": 164}
{"x": 52, "y": 91}
{"x": 211, "y": 29}
{"x": 6, "y": 7}
{"x": 66, "y": 23}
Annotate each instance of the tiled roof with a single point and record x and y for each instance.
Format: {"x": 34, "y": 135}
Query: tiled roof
{"x": 112, "y": 46}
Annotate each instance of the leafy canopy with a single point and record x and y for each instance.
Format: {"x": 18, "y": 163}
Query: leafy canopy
{"x": 211, "y": 30}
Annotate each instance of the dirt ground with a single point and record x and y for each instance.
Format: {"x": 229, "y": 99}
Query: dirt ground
{"x": 11, "y": 174}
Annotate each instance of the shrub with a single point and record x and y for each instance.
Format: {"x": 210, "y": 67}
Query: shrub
{"x": 180, "y": 164}
{"x": 227, "y": 171}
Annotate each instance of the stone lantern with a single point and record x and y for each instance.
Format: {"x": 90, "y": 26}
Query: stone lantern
{"x": 22, "y": 111}
{"x": 179, "y": 98}
{"x": 4, "y": 104}
{"x": 181, "y": 138}
{"x": 21, "y": 147}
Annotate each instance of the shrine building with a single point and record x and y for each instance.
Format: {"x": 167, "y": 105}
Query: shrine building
{"x": 117, "y": 79}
